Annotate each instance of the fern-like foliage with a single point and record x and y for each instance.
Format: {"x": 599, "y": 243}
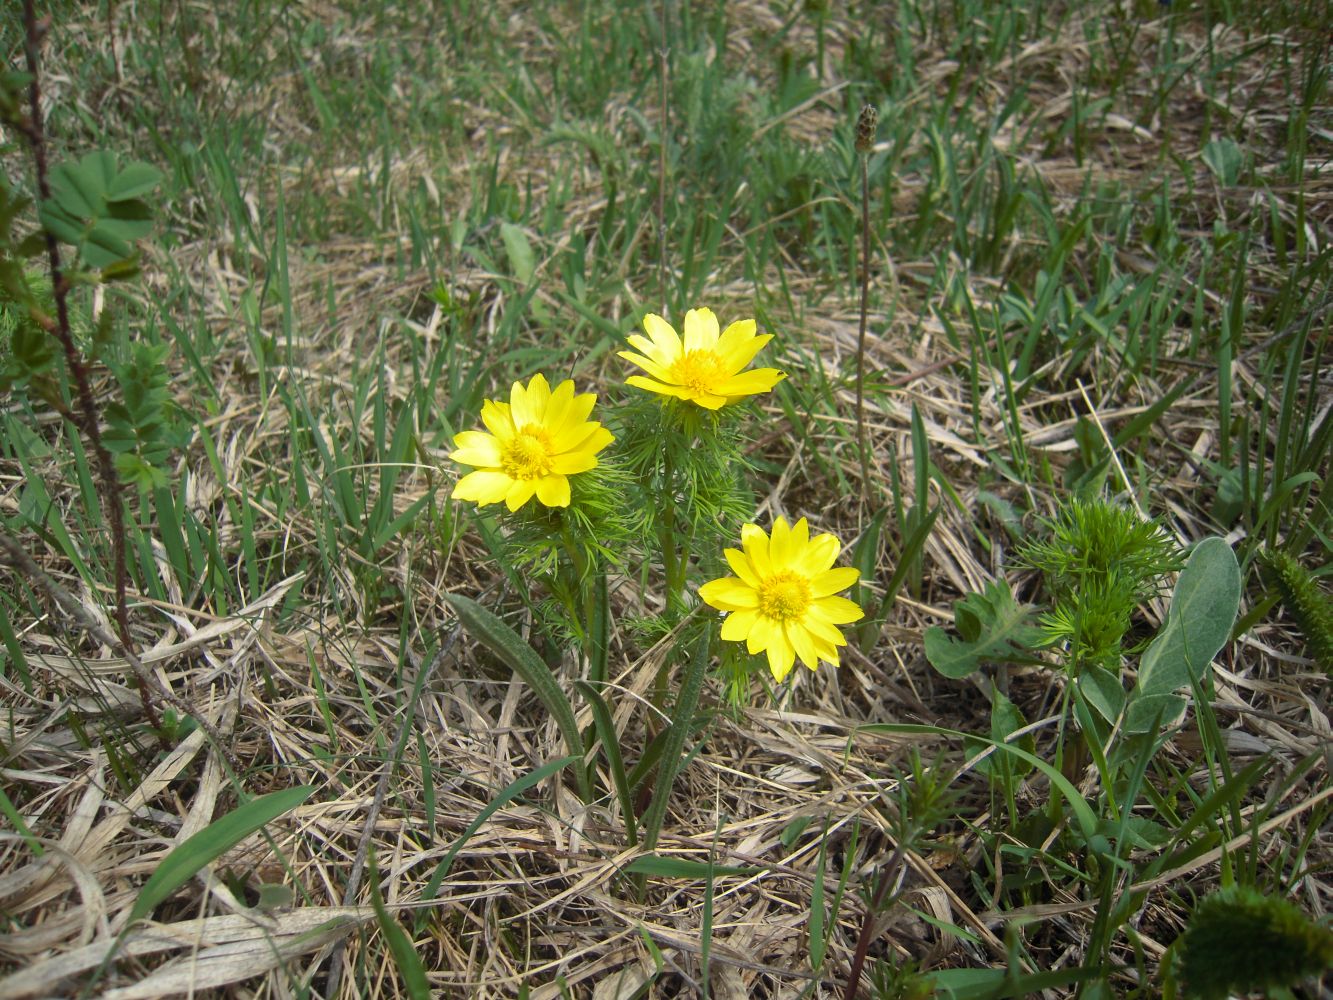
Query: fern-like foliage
{"x": 1307, "y": 604}
{"x": 1240, "y": 940}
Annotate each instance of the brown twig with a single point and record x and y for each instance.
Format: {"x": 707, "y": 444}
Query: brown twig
{"x": 90, "y": 418}
{"x": 866, "y": 124}
{"x": 17, "y": 556}
{"x": 867, "y": 934}
{"x": 377, "y": 803}
{"x": 662, "y": 54}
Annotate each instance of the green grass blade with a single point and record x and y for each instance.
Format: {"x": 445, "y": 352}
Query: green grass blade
{"x": 513, "y": 791}
{"x": 405, "y": 956}
{"x": 505, "y": 643}
{"x": 606, "y": 733}
{"x": 681, "y": 722}
{"x": 187, "y": 858}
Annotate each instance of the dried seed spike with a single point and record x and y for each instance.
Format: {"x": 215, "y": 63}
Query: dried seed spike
{"x": 867, "y": 122}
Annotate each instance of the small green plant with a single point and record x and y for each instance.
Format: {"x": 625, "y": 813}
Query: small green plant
{"x": 1100, "y": 562}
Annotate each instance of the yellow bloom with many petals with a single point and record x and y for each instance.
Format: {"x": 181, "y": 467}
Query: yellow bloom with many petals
{"x": 704, "y": 368}
{"x": 783, "y": 598}
{"x": 536, "y": 442}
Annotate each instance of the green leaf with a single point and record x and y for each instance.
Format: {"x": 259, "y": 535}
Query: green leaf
{"x": 405, "y": 956}
{"x": 606, "y": 733}
{"x": 94, "y": 207}
{"x": 994, "y": 628}
{"x": 518, "y": 248}
{"x": 656, "y": 866}
{"x": 1005, "y": 719}
{"x": 1203, "y": 609}
{"x": 1223, "y": 157}
{"x": 506, "y": 644}
{"x": 135, "y": 179}
{"x": 510, "y": 793}
{"x": 187, "y": 858}
{"x": 1103, "y": 691}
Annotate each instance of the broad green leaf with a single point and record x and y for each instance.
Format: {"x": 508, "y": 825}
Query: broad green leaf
{"x": 994, "y": 628}
{"x": 135, "y": 179}
{"x": 1103, "y": 691}
{"x": 509, "y": 646}
{"x": 518, "y": 248}
{"x": 186, "y": 859}
{"x": 1144, "y": 711}
{"x": 1203, "y": 609}
{"x": 1005, "y": 718}
{"x": 1224, "y": 158}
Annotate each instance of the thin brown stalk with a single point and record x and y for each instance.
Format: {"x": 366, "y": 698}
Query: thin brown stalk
{"x": 377, "y": 803}
{"x": 866, "y": 123}
{"x": 662, "y": 54}
{"x": 17, "y": 556}
{"x": 90, "y": 417}
{"x": 867, "y": 934}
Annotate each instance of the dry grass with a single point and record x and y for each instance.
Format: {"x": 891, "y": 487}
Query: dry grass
{"x": 535, "y": 892}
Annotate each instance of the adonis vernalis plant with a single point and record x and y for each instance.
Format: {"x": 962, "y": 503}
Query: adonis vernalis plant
{"x": 536, "y": 442}
{"x": 783, "y": 599}
{"x": 706, "y": 367}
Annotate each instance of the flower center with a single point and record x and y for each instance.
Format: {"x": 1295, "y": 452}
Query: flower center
{"x": 698, "y": 370}
{"x": 527, "y": 455}
{"x": 784, "y": 596}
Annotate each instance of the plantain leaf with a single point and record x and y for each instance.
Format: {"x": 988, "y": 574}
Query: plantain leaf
{"x": 1203, "y": 609}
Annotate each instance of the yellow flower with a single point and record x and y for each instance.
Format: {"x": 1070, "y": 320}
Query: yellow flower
{"x": 782, "y": 599}
{"x": 706, "y": 368}
{"x": 536, "y": 442}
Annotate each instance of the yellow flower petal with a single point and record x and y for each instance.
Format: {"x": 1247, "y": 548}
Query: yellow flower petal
{"x": 497, "y": 418}
{"x": 553, "y": 491}
{"x": 520, "y": 493}
{"x": 649, "y": 350}
{"x": 652, "y": 367}
{"x": 700, "y": 330}
{"x": 742, "y": 567}
{"x": 781, "y": 656}
{"x": 755, "y": 543}
{"x": 738, "y": 624}
{"x": 818, "y": 556}
{"x": 802, "y": 643}
{"x": 751, "y": 383}
{"x": 837, "y": 610}
{"x": 665, "y": 389}
{"x": 728, "y": 594}
{"x": 778, "y": 553}
{"x": 476, "y": 449}
{"x": 663, "y": 335}
{"x": 568, "y": 465}
{"x": 557, "y": 410}
{"x": 738, "y": 336}
{"x": 833, "y": 580}
{"x": 737, "y": 357}
{"x": 482, "y": 487}
{"x": 824, "y": 632}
